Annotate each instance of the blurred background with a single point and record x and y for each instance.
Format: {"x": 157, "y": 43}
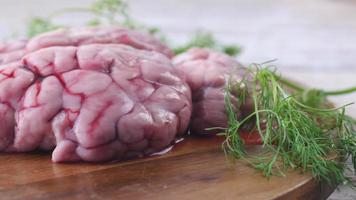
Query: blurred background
{"x": 303, "y": 34}
{"x": 313, "y": 40}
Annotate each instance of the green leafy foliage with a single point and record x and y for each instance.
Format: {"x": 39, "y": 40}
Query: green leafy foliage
{"x": 111, "y": 11}
{"x": 116, "y": 12}
{"x": 40, "y": 25}
{"x": 232, "y": 50}
{"x": 304, "y": 136}
{"x": 199, "y": 39}
{"x": 313, "y": 97}
{"x": 110, "y": 6}
{"x": 204, "y": 39}
{"x": 104, "y": 12}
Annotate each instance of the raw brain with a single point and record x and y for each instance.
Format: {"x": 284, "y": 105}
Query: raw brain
{"x": 14, "y": 50}
{"x": 92, "y": 103}
{"x": 207, "y": 72}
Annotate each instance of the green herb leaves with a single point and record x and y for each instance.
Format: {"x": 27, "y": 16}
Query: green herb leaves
{"x": 301, "y": 136}
{"x": 40, "y": 25}
{"x": 116, "y": 12}
{"x": 104, "y": 12}
{"x": 203, "y": 39}
{"x": 111, "y": 11}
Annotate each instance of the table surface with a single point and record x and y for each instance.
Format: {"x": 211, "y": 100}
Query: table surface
{"x": 195, "y": 168}
{"x": 314, "y": 41}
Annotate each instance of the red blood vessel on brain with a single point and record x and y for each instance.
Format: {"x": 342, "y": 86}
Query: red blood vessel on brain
{"x": 14, "y": 50}
{"x": 92, "y": 102}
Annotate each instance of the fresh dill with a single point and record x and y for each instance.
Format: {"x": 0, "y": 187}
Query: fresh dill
{"x": 111, "y": 10}
{"x": 116, "y": 12}
{"x": 40, "y": 25}
{"x": 313, "y": 97}
{"x": 301, "y": 135}
{"x": 204, "y": 39}
{"x": 104, "y": 12}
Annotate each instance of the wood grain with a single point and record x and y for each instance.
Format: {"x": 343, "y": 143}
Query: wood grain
{"x": 195, "y": 169}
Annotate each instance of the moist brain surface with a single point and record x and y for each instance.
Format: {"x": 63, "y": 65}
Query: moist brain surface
{"x": 14, "y": 50}
{"x": 92, "y": 103}
{"x": 207, "y": 73}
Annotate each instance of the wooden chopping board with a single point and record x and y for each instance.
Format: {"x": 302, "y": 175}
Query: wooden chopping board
{"x": 195, "y": 168}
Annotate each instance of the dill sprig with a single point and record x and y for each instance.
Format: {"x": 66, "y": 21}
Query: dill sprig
{"x": 104, "y": 12}
{"x": 39, "y": 25}
{"x": 313, "y": 97}
{"x": 116, "y": 12}
{"x": 111, "y": 10}
{"x": 205, "y": 39}
{"x": 296, "y": 135}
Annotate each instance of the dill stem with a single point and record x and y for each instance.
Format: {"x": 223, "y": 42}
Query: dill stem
{"x": 289, "y": 84}
{"x": 300, "y": 88}
{"x": 341, "y": 92}
{"x": 323, "y": 109}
